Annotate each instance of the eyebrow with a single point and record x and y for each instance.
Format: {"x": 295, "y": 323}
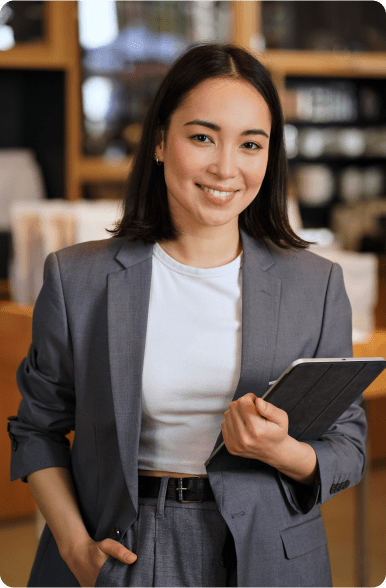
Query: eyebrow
{"x": 214, "y": 127}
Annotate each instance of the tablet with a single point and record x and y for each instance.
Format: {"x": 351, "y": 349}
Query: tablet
{"x": 315, "y": 392}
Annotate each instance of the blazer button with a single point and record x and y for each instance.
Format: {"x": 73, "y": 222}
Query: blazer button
{"x": 14, "y": 443}
{"x": 115, "y": 533}
{"x": 346, "y": 484}
{"x": 333, "y": 489}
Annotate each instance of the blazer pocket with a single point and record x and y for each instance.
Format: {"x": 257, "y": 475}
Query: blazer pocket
{"x": 303, "y": 538}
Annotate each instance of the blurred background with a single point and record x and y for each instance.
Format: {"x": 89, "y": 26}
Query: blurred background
{"x": 76, "y": 79}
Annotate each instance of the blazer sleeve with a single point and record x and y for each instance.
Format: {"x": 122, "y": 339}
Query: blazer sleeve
{"x": 46, "y": 382}
{"x": 341, "y": 451}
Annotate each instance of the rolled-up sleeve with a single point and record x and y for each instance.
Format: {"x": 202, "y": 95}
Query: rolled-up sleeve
{"x": 46, "y": 382}
{"x": 341, "y": 451}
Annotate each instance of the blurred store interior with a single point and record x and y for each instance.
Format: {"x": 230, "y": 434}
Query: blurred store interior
{"x": 75, "y": 82}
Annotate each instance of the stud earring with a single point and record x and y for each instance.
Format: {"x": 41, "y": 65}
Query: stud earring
{"x": 156, "y": 158}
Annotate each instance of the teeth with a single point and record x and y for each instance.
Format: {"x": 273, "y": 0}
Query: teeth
{"x": 215, "y": 192}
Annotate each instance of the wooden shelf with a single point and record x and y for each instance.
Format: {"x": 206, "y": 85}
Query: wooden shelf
{"x": 31, "y": 56}
{"x": 97, "y": 169}
{"x": 55, "y": 52}
{"x": 324, "y": 63}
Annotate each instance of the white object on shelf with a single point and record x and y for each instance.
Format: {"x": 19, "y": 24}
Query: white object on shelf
{"x": 312, "y": 143}
{"x": 38, "y": 228}
{"x": 360, "y": 274}
{"x": 21, "y": 180}
{"x": 351, "y": 184}
{"x": 352, "y": 142}
{"x": 315, "y": 184}
{"x": 291, "y": 139}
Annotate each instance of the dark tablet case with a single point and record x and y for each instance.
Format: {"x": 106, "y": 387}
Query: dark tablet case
{"x": 315, "y": 394}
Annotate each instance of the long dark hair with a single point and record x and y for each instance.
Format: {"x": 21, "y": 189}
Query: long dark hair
{"x": 146, "y": 215}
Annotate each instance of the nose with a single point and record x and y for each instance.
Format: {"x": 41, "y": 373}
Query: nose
{"x": 224, "y": 163}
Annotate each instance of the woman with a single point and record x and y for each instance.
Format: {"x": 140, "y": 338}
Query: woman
{"x": 157, "y": 344}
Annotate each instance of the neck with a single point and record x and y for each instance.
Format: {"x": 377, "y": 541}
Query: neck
{"x": 205, "y": 251}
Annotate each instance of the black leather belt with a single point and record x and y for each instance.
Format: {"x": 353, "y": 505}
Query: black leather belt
{"x": 181, "y": 489}
{"x": 188, "y": 490}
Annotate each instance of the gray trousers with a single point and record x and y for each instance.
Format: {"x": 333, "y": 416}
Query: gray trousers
{"x": 177, "y": 544}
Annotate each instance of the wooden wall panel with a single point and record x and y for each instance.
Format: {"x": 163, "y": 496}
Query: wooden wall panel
{"x": 15, "y": 337}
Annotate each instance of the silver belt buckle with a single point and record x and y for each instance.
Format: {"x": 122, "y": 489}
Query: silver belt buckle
{"x": 180, "y": 489}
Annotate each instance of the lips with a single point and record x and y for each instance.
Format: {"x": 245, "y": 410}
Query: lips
{"x": 217, "y": 197}
{"x": 215, "y": 192}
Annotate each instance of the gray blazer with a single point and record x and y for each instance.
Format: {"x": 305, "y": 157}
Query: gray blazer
{"x": 84, "y": 368}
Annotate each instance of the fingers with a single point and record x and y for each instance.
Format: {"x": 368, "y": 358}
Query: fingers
{"x": 272, "y": 413}
{"x": 239, "y": 422}
{"x": 117, "y": 550}
{"x": 237, "y": 426}
{"x": 242, "y": 412}
{"x": 245, "y": 410}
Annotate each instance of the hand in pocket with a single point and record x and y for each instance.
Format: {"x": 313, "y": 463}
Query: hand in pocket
{"x": 89, "y": 558}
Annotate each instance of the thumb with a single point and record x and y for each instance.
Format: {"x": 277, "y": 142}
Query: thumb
{"x": 271, "y": 412}
{"x": 117, "y": 550}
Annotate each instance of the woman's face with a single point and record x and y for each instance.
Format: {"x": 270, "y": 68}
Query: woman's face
{"x": 216, "y": 153}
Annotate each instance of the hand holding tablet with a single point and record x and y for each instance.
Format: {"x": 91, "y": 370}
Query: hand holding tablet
{"x": 314, "y": 393}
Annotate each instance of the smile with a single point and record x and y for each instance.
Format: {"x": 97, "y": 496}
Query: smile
{"x": 215, "y": 192}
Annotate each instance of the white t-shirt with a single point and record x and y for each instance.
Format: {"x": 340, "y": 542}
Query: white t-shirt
{"x": 191, "y": 363}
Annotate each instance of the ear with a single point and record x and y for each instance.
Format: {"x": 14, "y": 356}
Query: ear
{"x": 160, "y": 144}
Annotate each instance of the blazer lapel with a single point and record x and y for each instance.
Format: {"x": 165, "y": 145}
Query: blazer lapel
{"x": 260, "y": 315}
{"x": 128, "y": 302}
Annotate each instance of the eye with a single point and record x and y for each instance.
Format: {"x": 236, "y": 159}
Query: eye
{"x": 252, "y": 146}
{"x": 201, "y": 138}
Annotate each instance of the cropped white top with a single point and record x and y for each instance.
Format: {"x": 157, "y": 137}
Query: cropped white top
{"x": 191, "y": 364}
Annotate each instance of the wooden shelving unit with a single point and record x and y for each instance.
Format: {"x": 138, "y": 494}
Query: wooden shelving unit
{"x": 60, "y": 51}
